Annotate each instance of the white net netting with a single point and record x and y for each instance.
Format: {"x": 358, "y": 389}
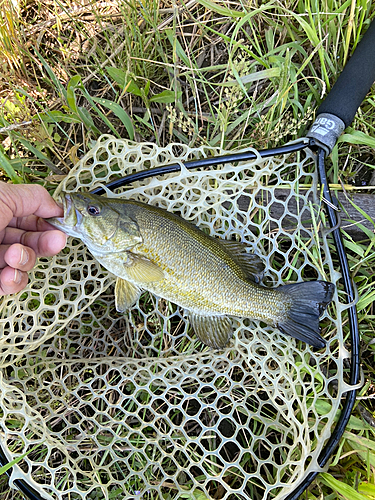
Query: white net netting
{"x": 124, "y": 406}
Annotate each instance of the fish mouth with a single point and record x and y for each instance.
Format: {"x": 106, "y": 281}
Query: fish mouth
{"x": 67, "y": 204}
{"x": 71, "y": 218}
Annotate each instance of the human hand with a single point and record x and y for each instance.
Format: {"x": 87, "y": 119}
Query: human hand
{"x": 24, "y": 236}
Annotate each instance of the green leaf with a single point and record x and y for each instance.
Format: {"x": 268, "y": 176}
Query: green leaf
{"x": 115, "y": 494}
{"x": 195, "y": 495}
{"x": 100, "y": 113}
{"x": 87, "y": 119}
{"x": 74, "y": 82}
{"x": 254, "y": 77}
{"x": 9, "y": 170}
{"x": 147, "y": 87}
{"x": 58, "y": 116}
{"x": 118, "y": 75}
{"x": 363, "y": 446}
{"x": 124, "y": 80}
{"x": 344, "y": 489}
{"x": 358, "y": 137}
{"x": 367, "y": 488}
{"x": 365, "y": 300}
{"x": 177, "y": 48}
{"x": 223, "y": 11}
{"x": 36, "y": 152}
{"x": 355, "y": 423}
{"x": 51, "y": 74}
{"x": 144, "y": 121}
{"x": 361, "y": 211}
{"x": 354, "y": 247}
{"x": 322, "y": 407}
{"x": 133, "y": 88}
{"x": 361, "y": 441}
{"x": 119, "y": 112}
{"x": 166, "y": 96}
{"x": 16, "y": 460}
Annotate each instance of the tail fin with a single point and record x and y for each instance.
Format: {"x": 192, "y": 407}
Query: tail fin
{"x": 309, "y": 300}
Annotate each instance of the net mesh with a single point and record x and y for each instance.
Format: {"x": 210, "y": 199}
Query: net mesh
{"x": 132, "y": 405}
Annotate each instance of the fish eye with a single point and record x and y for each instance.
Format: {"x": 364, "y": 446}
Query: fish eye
{"x": 93, "y": 210}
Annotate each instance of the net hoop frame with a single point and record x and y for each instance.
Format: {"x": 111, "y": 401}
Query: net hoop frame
{"x": 331, "y": 207}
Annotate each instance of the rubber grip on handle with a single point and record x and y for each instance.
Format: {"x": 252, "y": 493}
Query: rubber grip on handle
{"x": 354, "y": 82}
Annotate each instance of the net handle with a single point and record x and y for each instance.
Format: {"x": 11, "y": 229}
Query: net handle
{"x": 337, "y": 111}
{"x": 354, "y": 82}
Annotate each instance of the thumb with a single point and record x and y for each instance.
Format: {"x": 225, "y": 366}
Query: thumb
{"x": 20, "y": 200}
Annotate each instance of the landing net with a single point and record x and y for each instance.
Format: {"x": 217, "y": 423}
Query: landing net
{"x": 126, "y": 406}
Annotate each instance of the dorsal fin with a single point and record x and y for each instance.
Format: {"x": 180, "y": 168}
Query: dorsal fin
{"x": 252, "y": 265}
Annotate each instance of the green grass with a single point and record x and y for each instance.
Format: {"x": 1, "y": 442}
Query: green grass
{"x": 230, "y": 74}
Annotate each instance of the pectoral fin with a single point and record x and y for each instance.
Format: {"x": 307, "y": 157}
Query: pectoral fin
{"x": 143, "y": 270}
{"x": 214, "y": 331}
{"x": 126, "y": 294}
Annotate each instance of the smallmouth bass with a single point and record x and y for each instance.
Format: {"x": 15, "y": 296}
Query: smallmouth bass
{"x": 148, "y": 248}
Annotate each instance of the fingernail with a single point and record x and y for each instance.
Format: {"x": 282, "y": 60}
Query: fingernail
{"x": 17, "y": 277}
{"x": 24, "y": 257}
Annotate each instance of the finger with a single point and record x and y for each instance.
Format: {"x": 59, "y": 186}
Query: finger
{"x": 30, "y": 223}
{"x": 17, "y": 256}
{"x": 25, "y": 199}
{"x": 12, "y": 281}
{"x": 12, "y": 235}
{"x": 46, "y": 243}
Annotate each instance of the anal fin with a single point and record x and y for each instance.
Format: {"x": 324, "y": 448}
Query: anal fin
{"x": 214, "y": 331}
{"x": 126, "y": 294}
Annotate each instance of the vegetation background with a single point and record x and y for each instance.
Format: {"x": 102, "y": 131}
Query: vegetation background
{"x": 224, "y": 73}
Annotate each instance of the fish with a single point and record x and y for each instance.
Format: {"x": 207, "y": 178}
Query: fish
{"x": 212, "y": 279}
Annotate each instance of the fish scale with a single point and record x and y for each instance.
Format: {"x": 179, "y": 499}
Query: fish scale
{"x": 149, "y": 248}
